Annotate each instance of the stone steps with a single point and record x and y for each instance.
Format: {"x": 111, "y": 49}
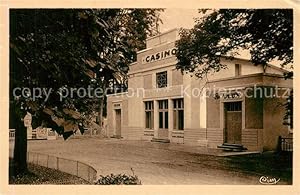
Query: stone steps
{"x": 160, "y": 140}
{"x": 232, "y": 147}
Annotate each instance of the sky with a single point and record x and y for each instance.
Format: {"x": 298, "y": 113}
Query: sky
{"x": 184, "y": 18}
{"x": 177, "y": 18}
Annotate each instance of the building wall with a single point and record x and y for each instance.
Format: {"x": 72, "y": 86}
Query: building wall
{"x": 136, "y": 107}
{"x": 125, "y": 113}
{"x": 131, "y": 123}
{"x": 140, "y": 65}
{"x": 148, "y": 81}
{"x": 213, "y": 114}
{"x": 247, "y": 68}
{"x": 163, "y": 38}
{"x": 262, "y": 117}
{"x": 177, "y": 77}
{"x": 113, "y": 103}
{"x": 254, "y": 115}
{"x": 273, "y": 122}
{"x": 203, "y": 117}
{"x": 252, "y": 132}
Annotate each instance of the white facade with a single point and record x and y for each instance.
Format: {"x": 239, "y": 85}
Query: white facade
{"x": 131, "y": 115}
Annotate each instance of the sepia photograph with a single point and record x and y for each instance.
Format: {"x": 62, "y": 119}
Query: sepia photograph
{"x": 151, "y": 96}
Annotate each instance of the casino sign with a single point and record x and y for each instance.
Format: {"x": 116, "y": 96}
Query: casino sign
{"x": 159, "y": 55}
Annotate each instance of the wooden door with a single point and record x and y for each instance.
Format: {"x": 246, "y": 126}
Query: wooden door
{"x": 233, "y": 123}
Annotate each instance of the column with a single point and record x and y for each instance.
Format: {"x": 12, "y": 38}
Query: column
{"x": 187, "y": 101}
{"x": 170, "y": 118}
{"x": 156, "y": 118}
{"x": 203, "y": 110}
{"x": 169, "y": 78}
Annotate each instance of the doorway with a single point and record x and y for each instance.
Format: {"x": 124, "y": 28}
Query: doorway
{"x": 233, "y": 122}
{"x": 118, "y": 123}
{"x": 163, "y": 119}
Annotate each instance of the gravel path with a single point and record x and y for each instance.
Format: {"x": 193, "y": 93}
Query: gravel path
{"x": 153, "y": 163}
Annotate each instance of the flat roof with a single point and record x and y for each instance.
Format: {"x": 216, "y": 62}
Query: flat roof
{"x": 166, "y": 32}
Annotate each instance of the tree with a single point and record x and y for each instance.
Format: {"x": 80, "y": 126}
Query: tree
{"x": 266, "y": 33}
{"x": 55, "y": 50}
{"x": 134, "y": 26}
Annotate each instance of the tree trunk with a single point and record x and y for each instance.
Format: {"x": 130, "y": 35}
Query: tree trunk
{"x": 101, "y": 106}
{"x": 100, "y": 120}
{"x": 20, "y": 149}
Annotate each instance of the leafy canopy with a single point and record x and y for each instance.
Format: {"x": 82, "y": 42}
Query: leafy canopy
{"x": 71, "y": 48}
{"x": 266, "y": 33}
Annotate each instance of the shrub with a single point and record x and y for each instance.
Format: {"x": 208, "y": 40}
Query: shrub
{"x": 119, "y": 179}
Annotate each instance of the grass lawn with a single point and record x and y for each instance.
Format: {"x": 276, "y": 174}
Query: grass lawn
{"x": 42, "y": 175}
{"x": 268, "y": 164}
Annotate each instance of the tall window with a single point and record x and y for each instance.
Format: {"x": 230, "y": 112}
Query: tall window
{"x": 162, "y": 79}
{"x": 163, "y": 114}
{"x": 149, "y": 110}
{"x": 233, "y": 106}
{"x": 238, "y": 70}
{"x": 178, "y": 114}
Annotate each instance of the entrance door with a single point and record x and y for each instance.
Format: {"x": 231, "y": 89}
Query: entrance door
{"x": 163, "y": 114}
{"x": 163, "y": 132}
{"x": 118, "y": 123}
{"x": 233, "y": 122}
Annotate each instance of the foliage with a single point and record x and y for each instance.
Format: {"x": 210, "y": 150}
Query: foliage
{"x": 72, "y": 48}
{"x": 266, "y": 33}
{"x": 59, "y": 49}
{"x": 289, "y": 107}
{"x": 119, "y": 179}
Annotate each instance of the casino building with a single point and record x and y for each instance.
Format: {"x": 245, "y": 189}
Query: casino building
{"x": 161, "y": 104}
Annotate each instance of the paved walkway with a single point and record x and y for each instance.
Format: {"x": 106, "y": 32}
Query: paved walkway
{"x": 153, "y": 163}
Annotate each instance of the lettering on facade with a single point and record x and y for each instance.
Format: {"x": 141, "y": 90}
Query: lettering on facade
{"x": 117, "y": 105}
{"x": 230, "y": 96}
{"x": 159, "y": 56}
